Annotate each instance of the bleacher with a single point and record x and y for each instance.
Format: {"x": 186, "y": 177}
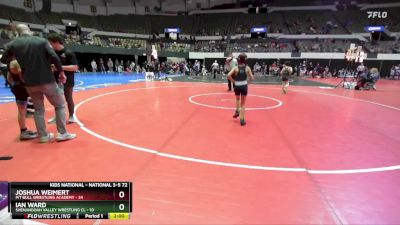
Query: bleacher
{"x": 209, "y": 46}
{"x": 16, "y": 14}
{"x": 159, "y": 23}
{"x": 312, "y": 22}
{"x": 83, "y": 20}
{"x": 260, "y": 45}
{"x": 394, "y": 14}
{"x": 125, "y": 23}
{"x": 215, "y": 24}
{"x": 356, "y": 20}
{"x": 323, "y": 45}
{"x": 384, "y": 47}
{"x": 300, "y": 2}
{"x": 323, "y": 2}
{"x": 173, "y": 47}
{"x": 345, "y": 21}
{"x": 50, "y": 18}
{"x": 127, "y": 43}
{"x": 274, "y": 21}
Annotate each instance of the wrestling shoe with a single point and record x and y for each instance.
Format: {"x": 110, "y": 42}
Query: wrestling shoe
{"x": 28, "y": 135}
{"x": 236, "y": 114}
{"x": 48, "y": 138}
{"x": 72, "y": 120}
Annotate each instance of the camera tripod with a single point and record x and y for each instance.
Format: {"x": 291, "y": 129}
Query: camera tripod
{"x": 349, "y": 64}
{"x": 353, "y": 54}
{"x": 355, "y": 75}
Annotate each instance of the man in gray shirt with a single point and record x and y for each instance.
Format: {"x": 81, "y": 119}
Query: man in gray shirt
{"x": 35, "y": 57}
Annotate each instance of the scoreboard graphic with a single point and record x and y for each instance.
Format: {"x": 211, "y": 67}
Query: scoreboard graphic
{"x": 70, "y": 200}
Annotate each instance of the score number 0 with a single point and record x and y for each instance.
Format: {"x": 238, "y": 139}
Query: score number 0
{"x": 121, "y": 195}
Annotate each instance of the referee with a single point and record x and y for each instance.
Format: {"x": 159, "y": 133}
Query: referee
{"x": 69, "y": 65}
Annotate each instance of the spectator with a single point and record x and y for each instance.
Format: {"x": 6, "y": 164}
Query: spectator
{"x": 110, "y": 65}
{"x": 102, "y": 68}
{"x": 69, "y": 65}
{"x": 214, "y": 68}
{"x": 94, "y": 66}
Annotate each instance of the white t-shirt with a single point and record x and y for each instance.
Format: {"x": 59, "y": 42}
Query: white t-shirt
{"x": 215, "y": 65}
{"x": 232, "y": 64}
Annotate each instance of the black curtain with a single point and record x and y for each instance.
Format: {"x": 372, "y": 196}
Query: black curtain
{"x": 46, "y": 6}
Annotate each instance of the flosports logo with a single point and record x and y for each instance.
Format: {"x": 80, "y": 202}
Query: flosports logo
{"x": 377, "y": 14}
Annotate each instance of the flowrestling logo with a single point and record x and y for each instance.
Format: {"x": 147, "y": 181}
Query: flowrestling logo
{"x": 377, "y": 14}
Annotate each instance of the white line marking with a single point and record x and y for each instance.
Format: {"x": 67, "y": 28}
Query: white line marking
{"x": 349, "y": 98}
{"x": 227, "y": 99}
{"x": 287, "y": 169}
{"x": 103, "y": 85}
{"x": 244, "y": 166}
{"x": 114, "y": 141}
{"x": 221, "y": 107}
{"x": 79, "y": 88}
{"x": 138, "y": 80}
{"x": 80, "y": 83}
{"x": 224, "y": 81}
{"x": 369, "y": 170}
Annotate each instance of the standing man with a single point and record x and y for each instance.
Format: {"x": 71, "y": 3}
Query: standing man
{"x": 94, "y": 66}
{"x": 197, "y": 67}
{"x": 214, "y": 68}
{"x": 132, "y": 66}
{"x": 102, "y": 68}
{"x": 110, "y": 65}
{"x": 69, "y": 65}
{"x": 239, "y": 76}
{"x": 157, "y": 69}
{"x": 116, "y": 64}
{"x": 230, "y": 63}
{"x": 35, "y": 57}
{"x": 121, "y": 66}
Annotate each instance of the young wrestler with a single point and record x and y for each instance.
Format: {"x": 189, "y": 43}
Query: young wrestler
{"x": 14, "y": 77}
{"x": 286, "y": 71}
{"x": 239, "y": 76}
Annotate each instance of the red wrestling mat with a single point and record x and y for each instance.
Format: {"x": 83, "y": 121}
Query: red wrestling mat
{"x": 313, "y": 156}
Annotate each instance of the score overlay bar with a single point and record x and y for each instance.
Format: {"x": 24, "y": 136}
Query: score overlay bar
{"x": 70, "y": 200}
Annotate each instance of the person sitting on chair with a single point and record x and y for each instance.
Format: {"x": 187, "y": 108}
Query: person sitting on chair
{"x": 368, "y": 80}
{"x": 375, "y": 76}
